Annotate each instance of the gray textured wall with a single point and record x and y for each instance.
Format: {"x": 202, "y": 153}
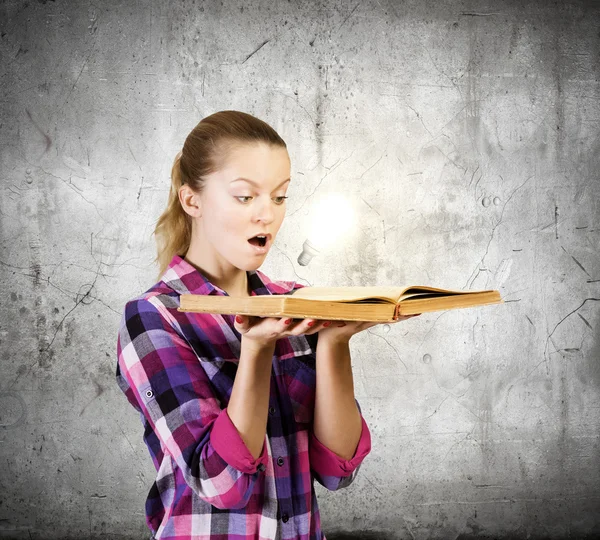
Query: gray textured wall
{"x": 467, "y": 135}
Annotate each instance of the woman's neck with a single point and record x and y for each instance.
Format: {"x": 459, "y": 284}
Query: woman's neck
{"x": 247, "y": 292}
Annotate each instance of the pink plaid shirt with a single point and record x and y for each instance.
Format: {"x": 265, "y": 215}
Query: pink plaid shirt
{"x": 177, "y": 369}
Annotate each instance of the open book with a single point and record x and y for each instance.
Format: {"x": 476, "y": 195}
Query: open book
{"x": 381, "y": 304}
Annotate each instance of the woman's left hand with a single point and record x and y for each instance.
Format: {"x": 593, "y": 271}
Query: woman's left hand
{"x": 342, "y": 331}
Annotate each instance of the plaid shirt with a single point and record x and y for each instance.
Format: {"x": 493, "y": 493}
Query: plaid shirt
{"x": 177, "y": 369}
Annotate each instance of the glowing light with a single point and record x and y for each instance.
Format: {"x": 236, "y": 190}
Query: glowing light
{"x": 331, "y": 219}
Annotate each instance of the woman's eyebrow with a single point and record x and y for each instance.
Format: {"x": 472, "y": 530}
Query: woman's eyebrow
{"x": 255, "y": 184}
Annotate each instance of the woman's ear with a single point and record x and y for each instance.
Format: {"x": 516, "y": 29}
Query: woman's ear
{"x": 190, "y": 201}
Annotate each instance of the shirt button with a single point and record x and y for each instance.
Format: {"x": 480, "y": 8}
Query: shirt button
{"x": 149, "y": 393}
{"x": 285, "y": 518}
{"x": 271, "y": 410}
{"x": 261, "y": 467}
{"x": 280, "y": 461}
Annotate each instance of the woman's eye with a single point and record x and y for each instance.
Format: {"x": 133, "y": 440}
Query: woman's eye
{"x": 280, "y": 200}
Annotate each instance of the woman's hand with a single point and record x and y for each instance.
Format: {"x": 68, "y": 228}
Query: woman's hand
{"x": 265, "y": 331}
{"x": 342, "y": 331}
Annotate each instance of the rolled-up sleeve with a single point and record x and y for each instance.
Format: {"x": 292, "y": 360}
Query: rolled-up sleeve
{"x": 332, "y": 471}
{"x": 168, "y": 385}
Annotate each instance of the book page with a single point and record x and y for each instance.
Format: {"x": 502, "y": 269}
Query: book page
{"x": 349, "y": 294}
{"x": 381, "y": 293}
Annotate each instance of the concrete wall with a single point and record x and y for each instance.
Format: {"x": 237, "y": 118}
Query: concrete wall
{"x": 466, "y": 134}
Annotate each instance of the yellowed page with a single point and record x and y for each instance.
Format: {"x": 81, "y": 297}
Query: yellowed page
{"x": 387, "y": 293}
{"x": 349, "y": 294}
{"x": 432, "y": 291}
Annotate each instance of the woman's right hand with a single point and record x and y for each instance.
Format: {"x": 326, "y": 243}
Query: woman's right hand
{"x": 262, "y": 332}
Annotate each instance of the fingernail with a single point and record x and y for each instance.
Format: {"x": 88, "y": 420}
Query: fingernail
{"x": 327, "y": 323}
{"x": 239, "y": 319}
{"x": 311, "y": 323}
{"x": 287, "y": 321}
{"x": 340, "y": 325}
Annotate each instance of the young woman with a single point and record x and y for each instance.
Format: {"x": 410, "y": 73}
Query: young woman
{"x": 240, "y": 414}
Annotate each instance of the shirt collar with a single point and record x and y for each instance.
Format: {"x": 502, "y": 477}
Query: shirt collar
{"x": 184, "y": 278}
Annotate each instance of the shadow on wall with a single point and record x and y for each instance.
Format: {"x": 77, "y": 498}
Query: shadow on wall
{"x": 364, "y": 535}
{"x": 358, "y": 535}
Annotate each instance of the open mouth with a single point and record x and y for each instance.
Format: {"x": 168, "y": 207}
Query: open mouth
{"x": 259, "y": 240}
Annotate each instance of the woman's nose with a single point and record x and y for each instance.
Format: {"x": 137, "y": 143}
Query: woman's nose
{"x": 266, "y": 213}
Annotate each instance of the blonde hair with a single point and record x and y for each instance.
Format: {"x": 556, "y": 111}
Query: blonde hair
{"x": 205, "y": 150}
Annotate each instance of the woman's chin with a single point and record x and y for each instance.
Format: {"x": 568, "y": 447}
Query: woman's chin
{"x": 249, "y": 266}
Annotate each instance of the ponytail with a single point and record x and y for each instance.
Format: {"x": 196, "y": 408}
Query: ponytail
{"x": 173, "y": 231}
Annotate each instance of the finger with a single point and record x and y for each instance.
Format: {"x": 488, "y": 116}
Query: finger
{"x": 311, "y": 326}
{"x": 307, "y": 327}
{"x": 243, "y": 323}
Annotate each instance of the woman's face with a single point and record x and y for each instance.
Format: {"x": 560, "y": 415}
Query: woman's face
{"x": 243, "y": 199}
